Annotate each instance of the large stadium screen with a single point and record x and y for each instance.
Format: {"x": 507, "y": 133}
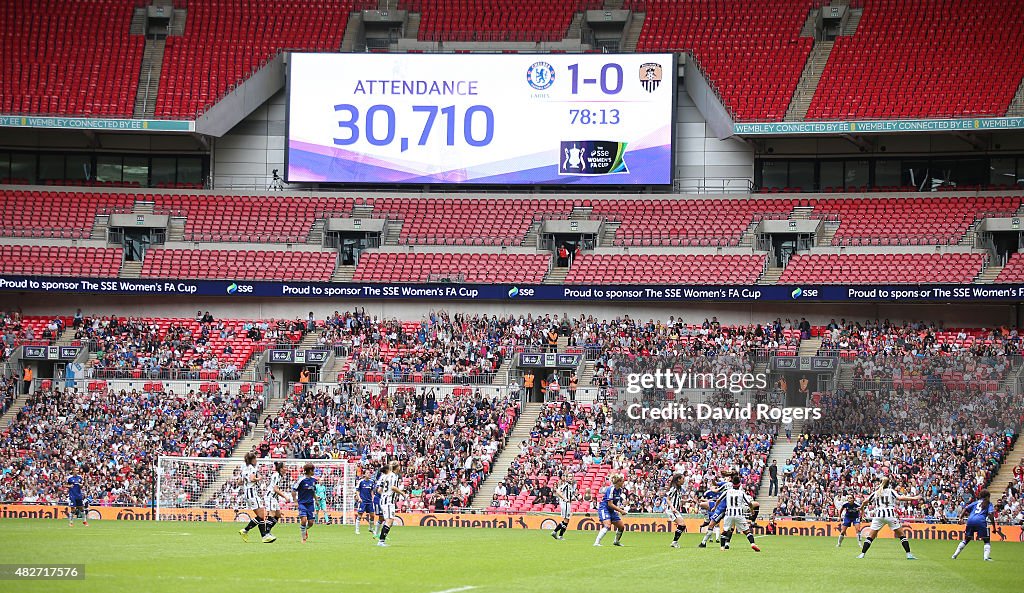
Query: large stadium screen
{"x": 599, "y": 119}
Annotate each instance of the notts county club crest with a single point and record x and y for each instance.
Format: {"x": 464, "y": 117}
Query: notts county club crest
{"x": 650, "y": 76}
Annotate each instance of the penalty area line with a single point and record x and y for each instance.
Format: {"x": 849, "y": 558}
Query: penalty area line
{"x": 456, "y": 590}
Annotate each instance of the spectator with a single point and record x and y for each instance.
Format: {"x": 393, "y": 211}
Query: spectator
{"x": 773, "y": 478}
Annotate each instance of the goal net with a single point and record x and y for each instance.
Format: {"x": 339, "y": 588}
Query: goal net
{"x": 210, "y": 488}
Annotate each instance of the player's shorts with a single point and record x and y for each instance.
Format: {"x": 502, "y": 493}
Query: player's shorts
{"x": 673, "y": 516}
{"x": 851, "y": 521}
{"x": 272, "y": 503}
{"x": 878, "y": 522}
{"x": 366, "y": 507}
{"x": 76, "y": 502}
{"x": 608, "y": 515}
{"x": 716, "y": 515}
{"x": 387, "y": 510}
{"x": 376, "y": 507}
{"x": 736, "y": 523}
{"x": 307, "y": 511}
{"x": 253, "y": 502}
{"x": 979, "y": 530}
{"x": 565, "y": 509}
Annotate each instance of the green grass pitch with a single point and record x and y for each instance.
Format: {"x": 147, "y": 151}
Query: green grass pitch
{"x": 170, "y": 556}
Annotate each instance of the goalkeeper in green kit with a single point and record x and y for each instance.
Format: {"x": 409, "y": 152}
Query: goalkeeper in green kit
{"x": 320, "y": 502}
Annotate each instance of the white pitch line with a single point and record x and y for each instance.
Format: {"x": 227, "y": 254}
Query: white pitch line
{"x": 456, "y": 590}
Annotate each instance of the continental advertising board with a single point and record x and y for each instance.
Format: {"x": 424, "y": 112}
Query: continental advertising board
{"x": 582, "y": 522}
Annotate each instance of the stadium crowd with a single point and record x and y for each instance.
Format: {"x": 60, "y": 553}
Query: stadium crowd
{"x": 446, "y": 446}
{"x": 586, "y": 440}
{"x": 625, "y": 345}
{"x": 947, "y": 470}
{"x": 113, "y": 439}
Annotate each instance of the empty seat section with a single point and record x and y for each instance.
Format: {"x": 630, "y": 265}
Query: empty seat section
{"x": 691, "y": 222}
{"x": 263, "y": 219}
{"x": 53, "y": 214}
{"x": 496, "y": 20}
{"x": 238, "y": 265}
{"x": 883, "y": 268}
{"x": 226, "y": 41}
{"x": 1013, "y": 272}
{"x": 925, "y": 59}
{"x": 908, "y": 221}
{"x": 665, "y": 269}
{"x": 526, "y": 268}
{"x": 51, "y": 260}
{"x": 467, "y": 221}
{"x": 751, "y": 50}
{"x": 68, "y": 58}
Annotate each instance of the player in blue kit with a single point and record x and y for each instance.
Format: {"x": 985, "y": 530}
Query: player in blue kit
{"x": 716, "y": 511}
{"x": 979, "y": 514}
{"x": 305, "y": 489}
{"x": 610, "y": 510}
{"x": 849, "y": 510}
{"x": 366, "y": 489}
{"x": 76, "y": 500}
{"x": 375, "y": 532}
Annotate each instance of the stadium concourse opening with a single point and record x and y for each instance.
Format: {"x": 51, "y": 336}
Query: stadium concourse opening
{"x": 296, "y": 293}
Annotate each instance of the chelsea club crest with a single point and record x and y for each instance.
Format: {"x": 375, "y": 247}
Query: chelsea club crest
{"x": 540, "y": 75}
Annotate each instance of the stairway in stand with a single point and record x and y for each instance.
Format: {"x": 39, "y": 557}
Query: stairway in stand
{"x": 244, "y": 446}
{"x": 1005, "y": 475}
{"x": 781, "y": 451}
{"x": 12, "y": 412}
{"x": 499, "y": 469}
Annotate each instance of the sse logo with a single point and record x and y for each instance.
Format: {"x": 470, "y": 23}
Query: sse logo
{"x": 516, "y": 292}
{"x": 239, "y": 288}
{"x": 799, "y": 292}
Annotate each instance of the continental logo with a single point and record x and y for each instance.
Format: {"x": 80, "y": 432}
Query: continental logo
{"x": 480, "y": 521}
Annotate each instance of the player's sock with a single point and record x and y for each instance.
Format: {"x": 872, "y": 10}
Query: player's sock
{"x": 618, "y": 535}
{"x": 678, "y": 534}
{"x": 273, "y": 523}
{"x": 704, "y": 540}
{"x": 841, "y": 536}
{"x": 723, "y": 540}
{"x": 906, "y": 544}
{"x": 750, "y": 538}
{"x": 718, "y": 533}
{"x": 867, "y": 544}
{"x": 563, "y": 529}
{"x": 384, "y": 532}
{"x": 959, "y": 548}
{"x": 252, "y": 523}
{"x": 263, "y": 528}
{"x": 988, "y": 552}
{"x": 600, "y": 534}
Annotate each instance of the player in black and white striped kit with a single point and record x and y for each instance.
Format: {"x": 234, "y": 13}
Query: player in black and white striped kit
{"x": 567, "y": 494}
{"x": 390, "y": 491}
{"x": 250, "y": 480}
{"x": 738, "y": 505}
{"x": 884, "y": 500}
{"x": 274, "y": 494}
{"x": 674, "y": 506}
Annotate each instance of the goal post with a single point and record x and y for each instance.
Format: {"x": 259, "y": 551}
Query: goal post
{"x": 210, "y": 488}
